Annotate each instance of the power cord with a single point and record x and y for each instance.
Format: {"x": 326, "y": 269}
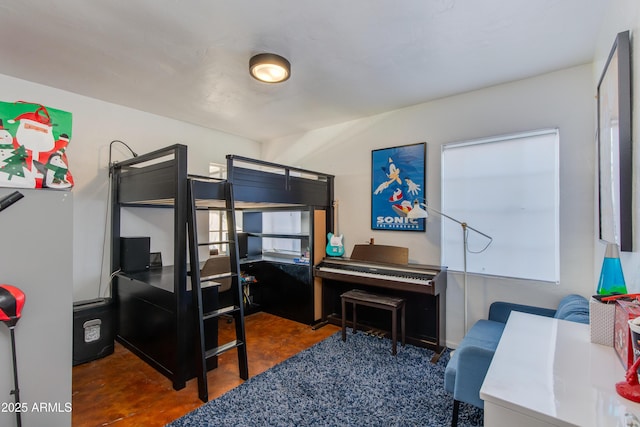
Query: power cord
{"x": 106, "y": 218}
{"x": 110, "y": 151}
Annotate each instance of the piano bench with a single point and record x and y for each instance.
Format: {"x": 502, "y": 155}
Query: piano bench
{"x": 393, "y": 304}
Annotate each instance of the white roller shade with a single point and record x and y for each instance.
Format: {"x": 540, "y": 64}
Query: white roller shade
{"x": 508, "y": 188}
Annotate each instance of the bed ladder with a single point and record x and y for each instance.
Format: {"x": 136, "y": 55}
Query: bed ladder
{"x": 202, "y": 190}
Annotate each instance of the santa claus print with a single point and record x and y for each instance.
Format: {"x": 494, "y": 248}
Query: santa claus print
{"x": 35, "y": 133}
{"x": 33, "y": 144}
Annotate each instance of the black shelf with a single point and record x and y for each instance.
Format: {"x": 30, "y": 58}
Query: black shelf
{"x": 301, "y": 236}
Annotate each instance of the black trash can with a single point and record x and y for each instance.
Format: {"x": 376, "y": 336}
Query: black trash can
{"x": 92, "y": 330}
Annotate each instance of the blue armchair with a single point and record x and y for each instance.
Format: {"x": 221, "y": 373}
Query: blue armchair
{"x": 470, "y": 362}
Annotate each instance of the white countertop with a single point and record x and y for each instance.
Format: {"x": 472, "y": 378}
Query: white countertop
{"x": 549, "y": 370}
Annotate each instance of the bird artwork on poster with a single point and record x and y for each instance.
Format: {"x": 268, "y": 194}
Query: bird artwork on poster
{"x": 397, "y": 178}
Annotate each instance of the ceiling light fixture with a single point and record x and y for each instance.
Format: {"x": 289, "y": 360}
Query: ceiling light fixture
{"x": 269, "y": 68}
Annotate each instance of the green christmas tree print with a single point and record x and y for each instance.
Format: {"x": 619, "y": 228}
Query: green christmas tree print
{"x": 15, "y": 164}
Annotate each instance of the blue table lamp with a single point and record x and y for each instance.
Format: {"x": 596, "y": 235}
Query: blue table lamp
{"x": 611, "y": 277}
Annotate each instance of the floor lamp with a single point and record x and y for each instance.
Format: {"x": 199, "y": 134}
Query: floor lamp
{"x": 417, "y": 212}
{"x": 11, "y": 303}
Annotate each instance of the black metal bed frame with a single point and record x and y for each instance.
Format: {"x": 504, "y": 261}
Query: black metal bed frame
{"x": 153, "y": 310}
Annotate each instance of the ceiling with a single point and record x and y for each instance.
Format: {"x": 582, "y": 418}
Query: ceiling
{"x": 188, "y": 60}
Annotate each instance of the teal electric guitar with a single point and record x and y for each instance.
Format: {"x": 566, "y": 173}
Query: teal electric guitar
{"x": 335, "y": 246}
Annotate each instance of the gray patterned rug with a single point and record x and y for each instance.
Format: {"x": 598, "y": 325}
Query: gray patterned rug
{"x": 335, "y": 383}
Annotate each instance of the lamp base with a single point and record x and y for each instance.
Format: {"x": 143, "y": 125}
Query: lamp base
{"x": 628, "y": 391}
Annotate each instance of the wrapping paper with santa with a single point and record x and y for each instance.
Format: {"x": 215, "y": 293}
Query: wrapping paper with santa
{"x": 33, "y": 145}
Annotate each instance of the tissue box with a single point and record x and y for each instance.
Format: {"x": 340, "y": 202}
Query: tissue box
{"x": 602, "y": 319}
{"x": 625, "y": 311}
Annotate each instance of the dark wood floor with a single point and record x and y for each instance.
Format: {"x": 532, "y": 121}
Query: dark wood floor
{"x": 121, "y": 390}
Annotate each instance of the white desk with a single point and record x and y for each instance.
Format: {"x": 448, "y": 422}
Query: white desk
{"x": 547, "y": 372}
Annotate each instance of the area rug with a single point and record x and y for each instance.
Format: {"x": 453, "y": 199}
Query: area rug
{"x": 335, "y": 383}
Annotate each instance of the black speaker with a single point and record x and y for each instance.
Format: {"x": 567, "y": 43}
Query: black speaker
{"x": 92, "y": 330}
{"x": 243, "y": 248}
{"x": 134, "y": 254}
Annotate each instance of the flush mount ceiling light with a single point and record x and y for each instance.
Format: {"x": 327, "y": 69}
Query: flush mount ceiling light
{"x": 269, "y": 68}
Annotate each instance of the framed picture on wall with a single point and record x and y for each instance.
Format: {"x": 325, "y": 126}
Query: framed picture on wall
{"x": 614, "y": 146}
{"x": 397, "y": 180}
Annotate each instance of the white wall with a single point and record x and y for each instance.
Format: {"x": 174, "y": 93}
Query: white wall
{"x": 564, "y": 99}
{"x": 623, "y": 15}
{"x": 95, "y": 125}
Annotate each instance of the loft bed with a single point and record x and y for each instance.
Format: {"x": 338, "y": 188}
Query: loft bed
{"x": 159, "y": 178}
{"x": 154, "y": 313}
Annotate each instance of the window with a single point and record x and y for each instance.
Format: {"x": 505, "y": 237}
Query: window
{"x": 218, "y": 219}
{"x": 508, "y": 188}
{"x": 288, "y": 223}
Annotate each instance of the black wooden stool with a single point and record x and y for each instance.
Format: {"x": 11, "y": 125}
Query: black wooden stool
{"x": 386, "y": 302}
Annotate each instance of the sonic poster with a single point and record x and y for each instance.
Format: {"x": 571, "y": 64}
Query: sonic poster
{"x": 397, "y": 179}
